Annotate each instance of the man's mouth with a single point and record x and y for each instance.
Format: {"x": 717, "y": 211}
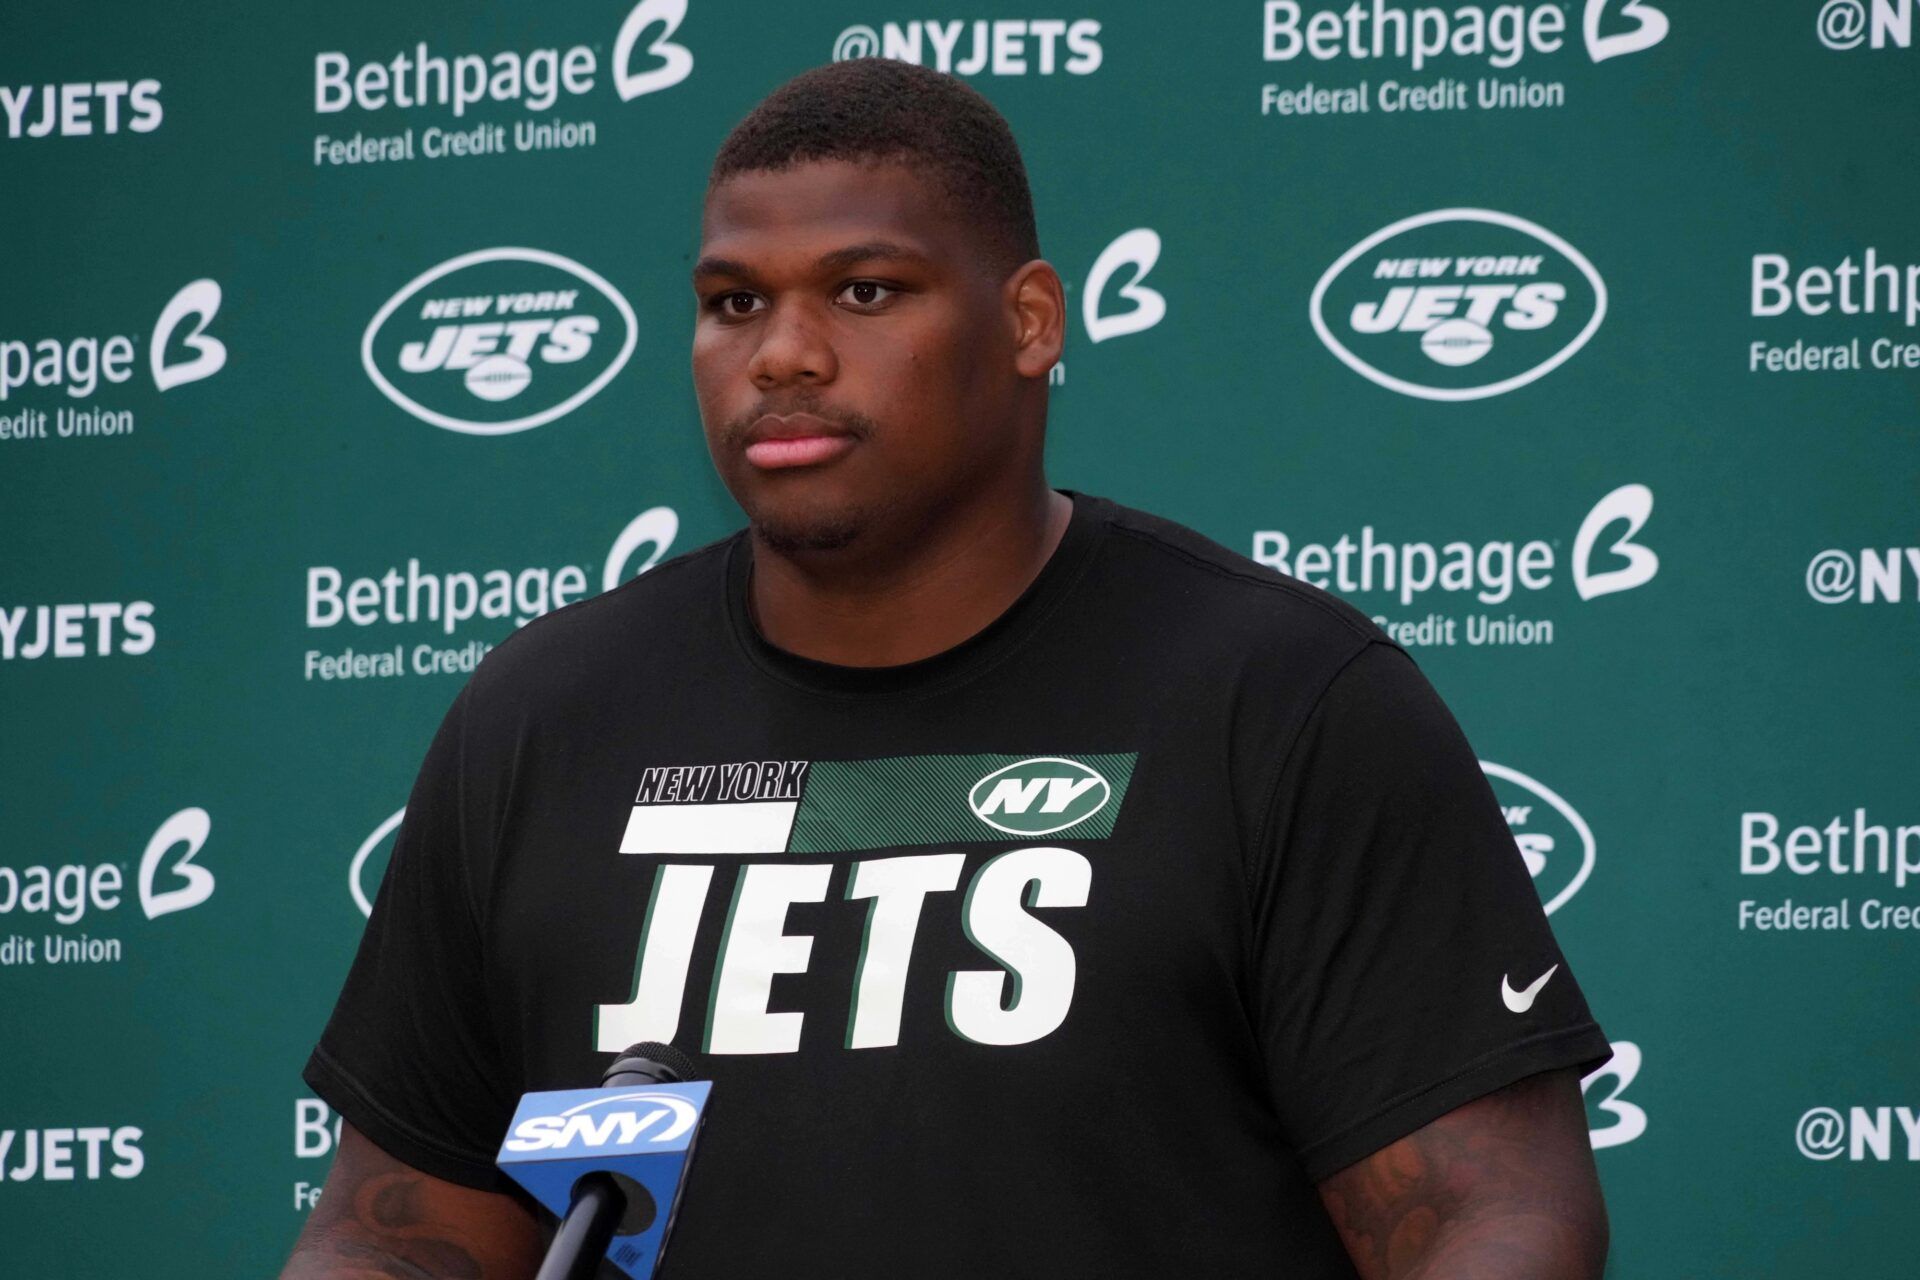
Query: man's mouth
{"x": 775, "y": 442}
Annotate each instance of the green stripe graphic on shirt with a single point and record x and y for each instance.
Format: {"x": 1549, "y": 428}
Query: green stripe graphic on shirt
{"x": 907, "y": 800}
{"x": 840, "y": 806}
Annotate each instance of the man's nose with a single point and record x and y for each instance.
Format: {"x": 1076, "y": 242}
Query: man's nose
{"x": 794, "y": 348}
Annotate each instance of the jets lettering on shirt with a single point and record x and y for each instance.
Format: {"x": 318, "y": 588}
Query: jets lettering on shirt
{"x": 690, "y": 815}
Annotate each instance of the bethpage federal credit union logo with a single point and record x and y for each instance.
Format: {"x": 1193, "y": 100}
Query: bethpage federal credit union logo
{"x": 412, "y": 597}
{"x": 1843, "y": 25}
{"x": 1851, "y": 307}
{"x": 429, "y": 80}
{"x": 45, "y": 897}
{"x": 1399, "y": 39}
{"x": 1847, "y": 853}
{"x": 180, "y": 351}
{"x": 1606, "y": 560}
{"x": 498, "y": 340}
{"x": 1458, "y": 304}
{"x": 1864, "y": 1133}
{"x": 998, "y": 47}
{"x": 80, "y": 108}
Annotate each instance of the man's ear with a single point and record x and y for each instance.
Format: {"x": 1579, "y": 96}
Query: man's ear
{"x": 1037, "y": 307}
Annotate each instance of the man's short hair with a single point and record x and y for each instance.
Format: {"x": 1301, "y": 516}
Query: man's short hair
{"x": 882, "y": 109}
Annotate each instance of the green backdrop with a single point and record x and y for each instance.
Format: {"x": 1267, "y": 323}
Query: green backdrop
{"x": 1575, "y": 341}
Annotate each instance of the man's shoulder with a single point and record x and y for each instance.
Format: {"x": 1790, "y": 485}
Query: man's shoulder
{"x": 1214, "y": 586}
{"x": 578, "y": 645}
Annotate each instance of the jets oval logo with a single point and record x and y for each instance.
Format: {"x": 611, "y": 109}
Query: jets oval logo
{"x": 369, "y": 865}
{"x": 1039, "y": 796}
{"x": 1555, "y": 841}
{"x": 1458, "y": 304}
{"x": 498, "y": 341}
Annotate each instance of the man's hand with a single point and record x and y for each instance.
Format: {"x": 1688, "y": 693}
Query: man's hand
{"x": 379, "y": 1219}
{"x": 1503, "y": 1188}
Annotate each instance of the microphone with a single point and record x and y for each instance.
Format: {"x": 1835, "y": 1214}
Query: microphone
{"x": 604, "y": 1160}
{"x": 648, "y": 1062}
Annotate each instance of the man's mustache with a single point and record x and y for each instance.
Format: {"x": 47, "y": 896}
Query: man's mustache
{"x": 734, "y": 432}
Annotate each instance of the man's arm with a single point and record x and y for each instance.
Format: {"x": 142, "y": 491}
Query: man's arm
{"x": 1503, "y": 1188}
{"x": 379, "y": 1219}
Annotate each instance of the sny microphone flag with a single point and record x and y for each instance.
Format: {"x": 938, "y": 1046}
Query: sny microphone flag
{"x": 642, "y": 1137}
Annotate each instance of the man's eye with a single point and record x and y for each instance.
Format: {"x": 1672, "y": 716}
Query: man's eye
{"x": 738, "y": 303}
{"x": 867, "y": 293}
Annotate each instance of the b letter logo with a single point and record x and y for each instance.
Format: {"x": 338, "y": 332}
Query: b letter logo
{"x": 1629, "y": 1120}
{"x": 1632, "y": 503}
{"x": 189, "y": 827}
{"x": 1652, "y": 29}
{"x": 1138, "y": 250}
{"x": 1402, "y": 310}
{"x": 200, "y": 302}
{"x": 675, "y": 61}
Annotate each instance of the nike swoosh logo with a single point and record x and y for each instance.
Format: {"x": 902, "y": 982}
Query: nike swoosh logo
{"x": 1521, "y": 1001}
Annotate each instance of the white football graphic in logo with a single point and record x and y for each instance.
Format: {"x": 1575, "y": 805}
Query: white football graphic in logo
{"x": 499, "y": 378}
{"x": 1456, "y": 342}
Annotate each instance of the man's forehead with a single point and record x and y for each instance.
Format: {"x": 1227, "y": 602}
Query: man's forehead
{"x": 811, "y": 208}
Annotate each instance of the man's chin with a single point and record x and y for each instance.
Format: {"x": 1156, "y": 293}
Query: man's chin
{"x": 794, "y": 535}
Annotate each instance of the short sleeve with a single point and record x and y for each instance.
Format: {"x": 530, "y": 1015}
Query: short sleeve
{"x": 410, "y": 1056}
{"x": 1403, "y": 963}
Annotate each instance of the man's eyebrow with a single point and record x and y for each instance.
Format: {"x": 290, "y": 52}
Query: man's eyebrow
{"x": 720, "y": 267}
{"x": 872, "y": 251}
{"x": 839, "y": 259}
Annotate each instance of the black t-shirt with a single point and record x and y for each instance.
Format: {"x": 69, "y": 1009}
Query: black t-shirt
{"x": 1081, "y": 949}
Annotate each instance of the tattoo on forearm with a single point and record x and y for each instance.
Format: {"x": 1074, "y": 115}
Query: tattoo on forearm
{"x": 1501, "y": 1189}
{"x": 379, "y": 1219}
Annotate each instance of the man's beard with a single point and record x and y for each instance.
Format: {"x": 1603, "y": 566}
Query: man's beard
{"x": 827, "y": 531}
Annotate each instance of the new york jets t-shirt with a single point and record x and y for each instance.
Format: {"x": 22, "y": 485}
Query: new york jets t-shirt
{"x": 1082, "y": 949}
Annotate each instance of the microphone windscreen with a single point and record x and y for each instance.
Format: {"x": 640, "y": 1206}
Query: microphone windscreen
{"x": 656, "y": 1054}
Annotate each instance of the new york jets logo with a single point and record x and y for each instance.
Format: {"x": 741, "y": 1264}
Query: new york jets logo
{"x": 1458, "y": 304}
{"x": 1039, "y": 796}
{"x": 498, "y": 341}
{"x": 1554, "y": 840}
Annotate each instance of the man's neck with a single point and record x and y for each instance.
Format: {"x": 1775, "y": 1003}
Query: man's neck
{"x": 859, "y": 610}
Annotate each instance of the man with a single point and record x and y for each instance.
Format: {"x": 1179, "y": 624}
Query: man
{"x": 1047, "y": 890}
